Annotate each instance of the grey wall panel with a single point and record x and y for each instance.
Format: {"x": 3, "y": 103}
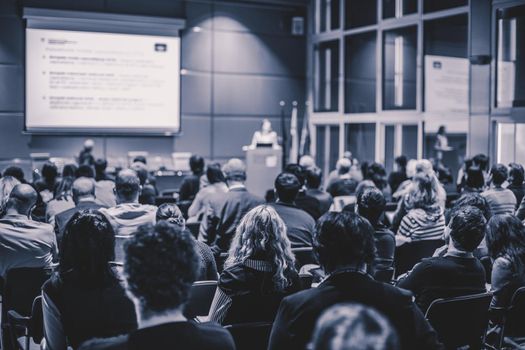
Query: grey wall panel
{"x": 78, "y": 5}
{"x": 63, "y": 145}
{"x": 196, "y": 50}
{"x": 156, "y": 146}
{"x": 262, "y": 54}
{"x": 163, "y": 8}
{"x": 196, "y": 94}
{"x": 8, "y": 8}
{"x": 196, "y": 135}
{"x": 11, "y": 40}
{"x": 13, "y": 143}
{"x": 11, "y": 88}
{"x": 199, "y": 15}
{"x": 254, "y": 95}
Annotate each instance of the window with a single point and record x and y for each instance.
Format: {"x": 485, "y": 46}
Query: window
{"x": 320, "y": 140}
{"x": 360, "y": 73}
{"x": 409, "y": 144}
{"x": 326, "y": 76}
{"x": 328, "y": 12}
{"x": 327, "y": 154}
{"x": 510, "y": 66}
{"x": 437, "y": 5}
{"x": 511, "y": 143}
{"x": 447, "y": 36}
{"x": 390, "y": 137}
{"x": 399, "y": 68}
{"x": 360, "y": 140}
{"x": 359, "y": 13}
{"x": 398, "y": 8}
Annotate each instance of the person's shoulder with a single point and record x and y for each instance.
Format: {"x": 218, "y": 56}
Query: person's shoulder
{"x": 216, "y": 332}
{"x": 233, "y": 278}
{"x": 399, "y": 296}
{"x": 116, "y": 343}
{"x": 44, "y": 226}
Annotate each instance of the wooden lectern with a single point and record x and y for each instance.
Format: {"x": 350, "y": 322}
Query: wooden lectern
{"x": 263, "y": 164}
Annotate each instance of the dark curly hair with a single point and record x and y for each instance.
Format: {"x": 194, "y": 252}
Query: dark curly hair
{"x": 474, "y": 200}
{"x": 343, "y": 239}
{"x": 371, "y": 204}
{"x": 467, "y": 228}
{"x": 161, "y": 264}
{"x": 87, "y": 248}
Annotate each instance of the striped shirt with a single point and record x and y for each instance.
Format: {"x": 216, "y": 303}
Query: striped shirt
{"x": 419, "y": 224}
{"x": 500, "y": 200}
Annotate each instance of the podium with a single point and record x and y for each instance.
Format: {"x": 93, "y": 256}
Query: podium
{"x": 263, "y": 164}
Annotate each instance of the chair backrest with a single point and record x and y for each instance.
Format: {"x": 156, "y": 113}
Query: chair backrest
{"x": 54, "y": 335}
{"x": 460, "y": 321}
{"x": 250, "y": 336}
{"x": 201, "y": 297}
{"x": 194, "y": 228}
{"x": 384, "y": 275}
{"x": 515, "y": 315}
{"x": 304, "y": 256}
{"x": 409, "y": 254}
{"x": 36, "y": 328}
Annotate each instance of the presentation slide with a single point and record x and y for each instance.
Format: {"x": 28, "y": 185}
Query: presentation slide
{"x": 102, "y": 82}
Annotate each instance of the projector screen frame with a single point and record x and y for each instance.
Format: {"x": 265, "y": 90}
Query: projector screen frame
{"x": 39, "y": 18}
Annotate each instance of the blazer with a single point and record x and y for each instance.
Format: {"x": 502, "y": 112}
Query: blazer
{"x": 62, "y": 218}
{"x": 295, "y": 320}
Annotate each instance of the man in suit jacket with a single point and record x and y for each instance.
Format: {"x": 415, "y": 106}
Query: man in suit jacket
{"x": 84, "y": 198}
{"x": 345, "y": 246}
{"x": 221, "y": 224}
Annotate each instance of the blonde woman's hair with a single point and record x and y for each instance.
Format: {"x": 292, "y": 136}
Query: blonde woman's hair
{"x": 7, "y": 184}
{"x": 262, "y": 231}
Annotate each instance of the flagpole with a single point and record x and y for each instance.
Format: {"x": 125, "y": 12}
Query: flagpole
{"x": 284, "y": 138}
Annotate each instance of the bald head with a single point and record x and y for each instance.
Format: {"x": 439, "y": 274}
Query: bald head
{"x": 83, "y": 188}
{"x": 21, "y": 199}
{"x": 127, "y": 186}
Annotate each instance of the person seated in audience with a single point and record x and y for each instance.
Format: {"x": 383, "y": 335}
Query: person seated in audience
{"x": 104, "y": 185}
{"x": 377, "y": 174}
{"x": 148, "y": 191}
{"x": 85, "y": 171}
{"x": 160, "y": 267}
{"x": 24, "y": 242}
{"x": 351, "y": 326}
{"x": 170, "y": 213}
{"x": 405, "y": 186}
{"x": 62, "y": 194}
{"x": 506, "y": 245}
{"x": 15, "y": 172}
{"x": 226, "y": 210}
{"x": 46, "y": 184}
{"x": 516, "y": 181}
{"x": 259, "y": 271}
{"x": 7, "y": 183}
{"x": 345, "y": 246}
{"x": 501, "y": 200}
{"x": 85, "y": 293}
{"x": 303, "y": 201}
{"x": 191, "y": 184}
{"x": 216, "y": 184}
{"x": 399, "y": 175}
{"x": 344, "y": 184}
{"x": 520, "y": 213}
{"x": 85, "y": 156}
{"x": 128, "y": 214}
{"x": 314, "y": 177}
{"x": 424, "y": 219}
{"x": 84, "y": 198}
{"x": 371, "y": 205}
{"x": 474, "y": 181}
{"x": 299, "y": 225}
{"x": 307, "y": 162}
{"x": 456, "y": 273}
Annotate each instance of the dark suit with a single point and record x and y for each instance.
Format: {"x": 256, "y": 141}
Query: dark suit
{"x": 324, "y": 200}
{"x": 298, "y": 313}
{"x": 62, "y": 218}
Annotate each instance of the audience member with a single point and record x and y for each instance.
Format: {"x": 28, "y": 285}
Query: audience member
{"x": 456, "y": 273}
{"x": 170, "y": 213}
{"x": 303, "y": 201}
{"x": 46, "y": 184}
{"x": 216, "y": 184}
{"x": 62, "y": 199}
{"x": 226, "y": 210}
{"x": 353, "y": 327}
{"x": 148, "y": 191}
{"x": 501, "y": 200}
{"x": 424, "y": 219}
{"x": 15, "y": 172}
{"x": 516, "y": 181}
{"x": 405, "y": 186}
{"x": 128, "y": 214}
{"x": 399, "y": 175}
{"x": 520, "y": 213}
{"x": 474, "y": 181}
{"x": 314, "y": 177}
{"x": 69, "y": 170}
{"x": 377, "y": 174}
{"x": 84, "y": 198}
{"x": 104, "y": 185}
{"x": 7, "y": 183}
{"x": 85, "y": 171}
{"x": 371, "y": 205}
{"x": 24, "y": 242}
{"x": 85, "y": 293}
{"x": 307, "y": 162}
{"x": 85, "y": 157}
{"x": 160, "y": 267}
{"x": 345, "y": 246}
{"x": 299, "y": 225}
{"x": 506, "y": 245}
{"x": 344, "y": 184}
{"x": 259, "y": 270}
{"x": 191, "y": 183}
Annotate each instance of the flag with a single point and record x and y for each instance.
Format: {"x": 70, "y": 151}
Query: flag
{"x": 294, "y": 149}
{"x": 304, "y": 144}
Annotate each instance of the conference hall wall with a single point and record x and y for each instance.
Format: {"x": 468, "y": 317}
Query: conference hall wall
{"x": 239, "y": 59}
